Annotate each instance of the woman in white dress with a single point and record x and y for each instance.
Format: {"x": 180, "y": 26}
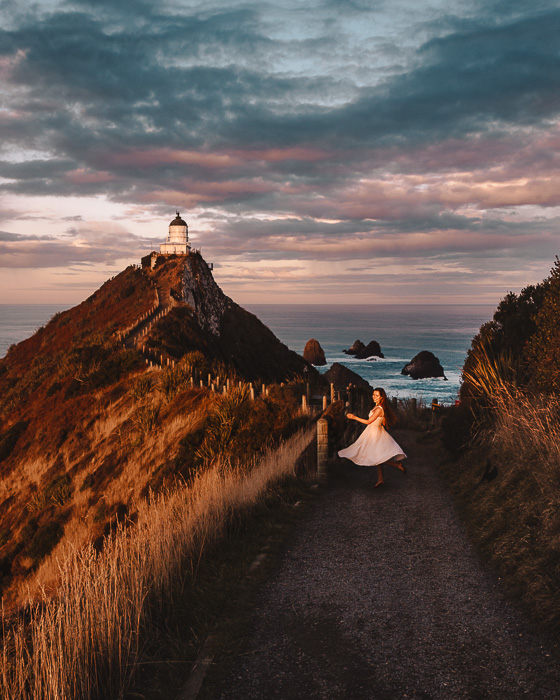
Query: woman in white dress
{"x": 375, "y": 447}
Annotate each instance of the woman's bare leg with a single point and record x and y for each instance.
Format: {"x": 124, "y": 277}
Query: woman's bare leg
{"x": 380, "y": 481}
{"x": 398, "y": 465}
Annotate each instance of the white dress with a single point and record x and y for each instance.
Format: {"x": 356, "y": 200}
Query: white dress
{"x": 374, "y": 446}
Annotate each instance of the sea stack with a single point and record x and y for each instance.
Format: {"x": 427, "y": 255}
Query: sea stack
{"x": 314, "y": 353}
{"x": 425, "y": 365}
{"x": 358, "y": 346}
{"x": 362, "y": 352}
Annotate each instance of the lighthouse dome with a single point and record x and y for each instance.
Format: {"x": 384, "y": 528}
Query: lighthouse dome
{"x": 177, "y": 221}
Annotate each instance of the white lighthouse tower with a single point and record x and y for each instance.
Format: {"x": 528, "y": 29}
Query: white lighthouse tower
{"x": 177, "y": 242}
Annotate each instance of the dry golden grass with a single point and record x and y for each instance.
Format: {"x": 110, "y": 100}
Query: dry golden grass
{"x": 527, "y": 429}
{"x": 113, "y": 438}
{"x": 114, "y": 416}
{"x": 515, "y": 514}
{"x": 86, "y": 641}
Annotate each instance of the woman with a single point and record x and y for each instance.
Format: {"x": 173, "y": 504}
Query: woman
{"x": 375, "y": 447}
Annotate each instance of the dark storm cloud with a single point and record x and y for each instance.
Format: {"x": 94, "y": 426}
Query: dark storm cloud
{"x": 150, "y": 84}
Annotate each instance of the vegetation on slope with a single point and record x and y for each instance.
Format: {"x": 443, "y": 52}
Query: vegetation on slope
{"x": 89, "y": 641}
{"x": 86, "y": 431}
{"x": 506, "y": 437}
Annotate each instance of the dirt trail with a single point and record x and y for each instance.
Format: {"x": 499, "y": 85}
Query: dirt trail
{"x": 378, "y": 596}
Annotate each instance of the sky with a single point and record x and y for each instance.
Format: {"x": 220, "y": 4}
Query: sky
{"x": 326, "y": 151}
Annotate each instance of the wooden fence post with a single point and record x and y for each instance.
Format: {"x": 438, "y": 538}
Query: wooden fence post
{"x": 322, "y": 449}
{"x": 325, "y": 403}
{"x": 332, "y": 392}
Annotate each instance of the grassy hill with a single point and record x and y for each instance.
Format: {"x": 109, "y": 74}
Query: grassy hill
{"x": 87, "y": 430}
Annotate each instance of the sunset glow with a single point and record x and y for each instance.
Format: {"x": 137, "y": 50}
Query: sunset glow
{"x": 333, "y": 152}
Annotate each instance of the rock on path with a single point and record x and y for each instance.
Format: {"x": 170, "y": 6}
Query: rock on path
{"x": 380, "y": 596}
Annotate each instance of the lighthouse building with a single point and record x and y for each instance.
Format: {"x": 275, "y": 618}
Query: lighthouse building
{"x": 177, "y": 242}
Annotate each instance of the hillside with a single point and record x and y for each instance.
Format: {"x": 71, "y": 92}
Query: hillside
{"x": 504, "y": 442}
{"x": 87, "y": 429}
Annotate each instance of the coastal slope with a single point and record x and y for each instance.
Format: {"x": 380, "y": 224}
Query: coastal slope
{"x": 87, "y": 427}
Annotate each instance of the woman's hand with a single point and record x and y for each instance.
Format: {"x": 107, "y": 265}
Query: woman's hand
{"x": 350, "y": 415}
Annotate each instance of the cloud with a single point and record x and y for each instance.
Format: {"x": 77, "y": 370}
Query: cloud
{"x": 88, "y": 246}
{"x": 330, "y": 130}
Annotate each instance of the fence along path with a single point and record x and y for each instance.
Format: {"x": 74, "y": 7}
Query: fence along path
{"x": 134, "y": 337}
{"x": 131, "y": 337}
{"x": 313, "y": 399}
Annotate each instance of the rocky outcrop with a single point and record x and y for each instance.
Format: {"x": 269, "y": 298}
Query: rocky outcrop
{"x": 314, "y": 353}
{"x": 203, "y": 295}
{"x": 372, "y": 349}
{"x": 357, "y": 347}
{"x": 341, "y": 377}
{"x": 362, "y": 352}
{"x": 425, "y": 365}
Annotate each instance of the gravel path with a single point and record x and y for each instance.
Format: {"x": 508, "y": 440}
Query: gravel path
{"x": 380, "y": 595}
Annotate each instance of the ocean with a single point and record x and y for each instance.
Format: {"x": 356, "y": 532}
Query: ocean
{"x": 19, "y": 321}
{"x": 401, "y": 330}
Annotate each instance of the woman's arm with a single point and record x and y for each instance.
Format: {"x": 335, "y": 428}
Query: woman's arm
{"x": 377, "y": 412}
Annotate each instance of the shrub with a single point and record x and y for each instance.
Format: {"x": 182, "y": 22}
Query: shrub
{"x": 141, "y": 387}
{"x": 146, "y": 418}
{"x": 504, "y": 340}
{"x": 45, "y": 540}
{"x": 172, "y": 381}
{"x": 59, "y": 490}
{"x": 543, "y": 348}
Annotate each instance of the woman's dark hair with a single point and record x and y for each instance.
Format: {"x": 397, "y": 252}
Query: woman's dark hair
{"x": 390, "y": 417}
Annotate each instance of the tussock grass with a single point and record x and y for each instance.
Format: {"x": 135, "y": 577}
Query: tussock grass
{"x": 87, "y": 641}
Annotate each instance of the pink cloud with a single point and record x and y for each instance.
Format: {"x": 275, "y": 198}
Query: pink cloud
{"x": 274, "y": 155}
{"x": 225, "y": 160}
{"x": 82, "y": 176}
{"x": 168, "y": 156}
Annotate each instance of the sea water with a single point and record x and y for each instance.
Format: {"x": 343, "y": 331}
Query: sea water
{"x": 19, "y": 321}
{"x": 402, "y": 332}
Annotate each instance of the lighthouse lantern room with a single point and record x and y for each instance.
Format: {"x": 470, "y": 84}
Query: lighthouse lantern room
{"x": 177, "y": 242}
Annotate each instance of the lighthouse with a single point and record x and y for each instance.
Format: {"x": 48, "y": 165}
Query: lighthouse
{"x": 177, "y": 242}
